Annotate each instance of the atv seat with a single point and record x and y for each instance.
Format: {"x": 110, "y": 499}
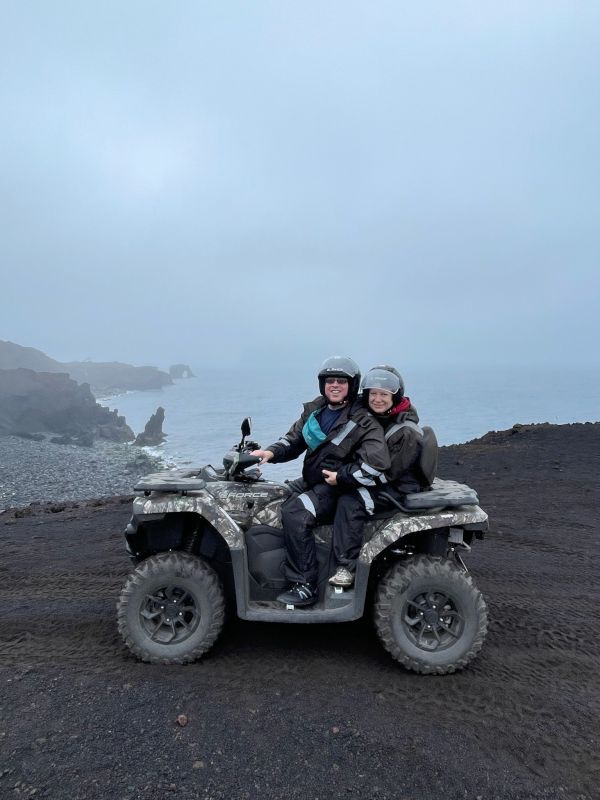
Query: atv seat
{"x": 173, "y": 480}
{"x": 442, "y": 494}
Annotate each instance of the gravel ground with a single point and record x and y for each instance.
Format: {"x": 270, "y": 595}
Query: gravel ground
{"x": 41, "y": 471}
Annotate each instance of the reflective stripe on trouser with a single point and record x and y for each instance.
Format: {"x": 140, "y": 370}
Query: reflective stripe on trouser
{"x": 307, "y": 502}
{"x": 367, "y": 500}
{"x": 300, "y": 514}
{"x": 350, "y": 518}
{"x": 348, "y": 525}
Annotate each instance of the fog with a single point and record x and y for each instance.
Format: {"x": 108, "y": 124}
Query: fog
{"x": 264, "y": 183}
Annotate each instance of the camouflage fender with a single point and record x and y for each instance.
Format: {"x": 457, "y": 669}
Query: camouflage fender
{"x": 201, "y": 503}
{"x": 270, "y": 515}
{"x": 401, "y": 525}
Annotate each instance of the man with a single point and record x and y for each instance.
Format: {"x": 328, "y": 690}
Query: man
{"x": 336, "y": 432}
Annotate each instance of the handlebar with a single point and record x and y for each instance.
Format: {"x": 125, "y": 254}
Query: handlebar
{"x": 236, "y": 461}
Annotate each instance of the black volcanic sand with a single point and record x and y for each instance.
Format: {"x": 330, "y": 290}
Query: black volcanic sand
{"x": 279, "y": 711}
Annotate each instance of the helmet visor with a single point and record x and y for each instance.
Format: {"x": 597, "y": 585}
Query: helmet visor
{"x": 381, "y": 379}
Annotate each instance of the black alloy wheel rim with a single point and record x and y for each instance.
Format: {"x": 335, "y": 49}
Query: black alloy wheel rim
{"x": 169, "y": 615}
{"x": 432, "y": 621}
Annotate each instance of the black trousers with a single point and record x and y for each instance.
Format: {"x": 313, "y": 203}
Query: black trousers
{"x": 300, "y": 514}
{"x": 353, "y": 511}
{"x": 321, "y": 505}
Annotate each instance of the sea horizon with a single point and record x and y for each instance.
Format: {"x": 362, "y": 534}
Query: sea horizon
{"x": 203, "y": 414}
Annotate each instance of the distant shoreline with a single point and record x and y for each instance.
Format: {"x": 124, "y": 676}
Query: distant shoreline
{"x": 48, "y": 474}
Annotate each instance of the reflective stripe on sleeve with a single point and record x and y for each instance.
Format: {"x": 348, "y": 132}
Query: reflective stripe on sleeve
{"x": 367, "y": 475}
{"x": 360, "y": 477}
{"x": 371, "y": 470}
{"x": 284, "y": 441}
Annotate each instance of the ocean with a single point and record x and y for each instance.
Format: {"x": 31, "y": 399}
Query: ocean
{"x": 203, "y": 414}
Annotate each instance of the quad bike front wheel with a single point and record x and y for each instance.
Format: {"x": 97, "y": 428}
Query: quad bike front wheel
{"x": 429, "y": 615}
{"x": 171, "y": 609}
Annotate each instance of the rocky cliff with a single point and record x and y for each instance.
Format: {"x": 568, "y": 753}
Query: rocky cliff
{"x": 104, "y": 378}
{"x": 46, "y": 402}
{"x": 113, "y": 377}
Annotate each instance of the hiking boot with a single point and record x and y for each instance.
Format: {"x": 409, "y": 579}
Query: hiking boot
{"x": 342, "y": 577}
{"x": 301, "y": 594}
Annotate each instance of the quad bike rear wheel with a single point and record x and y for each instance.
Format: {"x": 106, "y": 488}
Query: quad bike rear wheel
{"x": 429, "y": 615}
{"x": 171, "y": 609}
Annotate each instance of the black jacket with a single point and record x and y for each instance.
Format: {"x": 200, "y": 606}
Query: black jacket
{"x": 404, "y": 440}
{"x": 356, "y": 439}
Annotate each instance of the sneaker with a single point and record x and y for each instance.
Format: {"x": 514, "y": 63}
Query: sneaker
{"x": 342, "y": 577}
{"x": 301, "y": 594}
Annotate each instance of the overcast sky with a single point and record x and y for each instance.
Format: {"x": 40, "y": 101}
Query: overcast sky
{"x": 272, "y": 182}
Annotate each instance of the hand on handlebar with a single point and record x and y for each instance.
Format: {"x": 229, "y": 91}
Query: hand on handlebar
{"x": 264, "y": 455}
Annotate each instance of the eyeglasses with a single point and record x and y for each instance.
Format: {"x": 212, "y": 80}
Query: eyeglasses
{"x": 341, "y": 381}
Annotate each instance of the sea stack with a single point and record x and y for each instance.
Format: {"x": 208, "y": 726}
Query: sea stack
{"x": 153, "y": 432}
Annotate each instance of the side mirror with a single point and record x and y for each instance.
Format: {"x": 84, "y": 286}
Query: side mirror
{"x": 245, "y": 432}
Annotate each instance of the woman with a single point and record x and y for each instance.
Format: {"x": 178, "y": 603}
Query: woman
{"x": 383, "y": 395}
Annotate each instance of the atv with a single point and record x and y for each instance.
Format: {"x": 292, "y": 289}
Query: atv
{"x": 201, "y": 536}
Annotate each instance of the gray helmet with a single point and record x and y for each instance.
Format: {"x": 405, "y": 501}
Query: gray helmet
{"x": 340, "y": 367}
{"x": 385, "y": 378}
